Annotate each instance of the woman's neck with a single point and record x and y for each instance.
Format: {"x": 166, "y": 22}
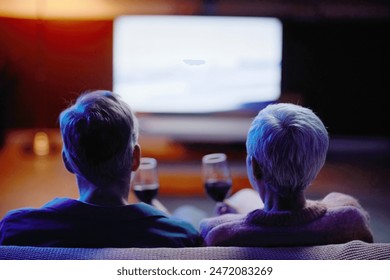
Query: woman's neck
{"x": 276, "y": 202}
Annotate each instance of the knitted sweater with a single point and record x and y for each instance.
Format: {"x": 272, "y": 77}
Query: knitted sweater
{"x": 338, "y": 218}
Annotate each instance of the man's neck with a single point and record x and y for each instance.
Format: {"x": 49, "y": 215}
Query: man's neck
{"x": 113, "y": 194}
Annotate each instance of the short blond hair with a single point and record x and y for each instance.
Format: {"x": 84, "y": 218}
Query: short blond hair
{"x": 99, "y": 133}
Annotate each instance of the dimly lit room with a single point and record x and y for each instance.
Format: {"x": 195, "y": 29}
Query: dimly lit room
{"x": 196, "y": 73}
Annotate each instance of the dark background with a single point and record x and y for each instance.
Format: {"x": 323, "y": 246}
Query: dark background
{"x": 341, "y": 67}
{"x": 336, "y": 60}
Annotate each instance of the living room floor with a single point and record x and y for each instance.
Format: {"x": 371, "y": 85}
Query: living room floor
{"x": 357, "y": 166}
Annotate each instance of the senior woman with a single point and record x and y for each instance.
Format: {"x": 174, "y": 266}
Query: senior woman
{"x": 286, "y": 148}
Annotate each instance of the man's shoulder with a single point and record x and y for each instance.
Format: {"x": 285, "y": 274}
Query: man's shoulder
{"x": 24, "y": 218}
{"x": 169, "y": 230}
{"x": 154, "y": 218}
{"x": 20, "y": 213}
{"x": 175, "y": 224}
{"x": 17, "y": 214}
{"x": 49, "y": 207}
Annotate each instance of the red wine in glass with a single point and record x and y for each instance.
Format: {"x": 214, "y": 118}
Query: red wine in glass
{"x": 146, "y": 193}
{"x": 216, "y": 176}
{"x": 145, "y": 182}
{"x": 218, "y": 190}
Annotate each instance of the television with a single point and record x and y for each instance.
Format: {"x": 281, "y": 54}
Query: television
{"x": 197, "y": 78}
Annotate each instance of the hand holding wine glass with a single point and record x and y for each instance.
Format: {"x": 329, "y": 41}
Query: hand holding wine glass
{"x": 216, "y": 176}
{"x": 145, "y": 183}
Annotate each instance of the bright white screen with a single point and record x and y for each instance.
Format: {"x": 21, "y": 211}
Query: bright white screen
{"x": 196, "y": 64}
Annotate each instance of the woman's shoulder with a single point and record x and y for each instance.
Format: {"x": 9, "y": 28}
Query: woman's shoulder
{"x": 215, "y": 230}
{"x": 337, "y": 199}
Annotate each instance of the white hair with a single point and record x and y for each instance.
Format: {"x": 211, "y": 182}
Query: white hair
{"x": 289, "y": 143}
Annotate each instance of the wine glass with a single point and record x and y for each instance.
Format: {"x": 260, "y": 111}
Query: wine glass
{"x": 216, "y": 176}
{"x": 145, "y": 183}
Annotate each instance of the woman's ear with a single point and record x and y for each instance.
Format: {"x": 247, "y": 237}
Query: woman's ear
{"x": 66, "y": 162}
{"x": 136, "y": 157}
{"x": 256, "y": 169}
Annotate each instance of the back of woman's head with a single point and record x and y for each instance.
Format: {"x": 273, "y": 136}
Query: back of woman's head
{"x": 289, "y": 143}
{"x": 99, "y": 133}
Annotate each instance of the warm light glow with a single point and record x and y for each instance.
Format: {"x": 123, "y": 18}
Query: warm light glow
{"x": 41, "y": 146}
{"x": 18, "y": 8}
{"x": 89, "y": 9}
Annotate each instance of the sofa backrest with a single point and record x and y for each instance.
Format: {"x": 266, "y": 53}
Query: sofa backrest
{"x": 350, "y": 250}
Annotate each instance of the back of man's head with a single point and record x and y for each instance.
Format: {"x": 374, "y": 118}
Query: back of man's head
{"x": 99, "y": 133}
{"x": 289, "y": 143}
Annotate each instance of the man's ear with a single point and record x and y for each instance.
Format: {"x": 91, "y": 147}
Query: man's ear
{"x": 256, "y": 169}
{"x": 136, "y": 157}
{"x": 66, "y": 162}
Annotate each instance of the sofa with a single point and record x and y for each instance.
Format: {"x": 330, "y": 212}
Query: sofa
{"x": 354, "y": 250}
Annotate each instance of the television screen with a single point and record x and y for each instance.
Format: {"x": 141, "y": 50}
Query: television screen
{"x": 193, "y": 67}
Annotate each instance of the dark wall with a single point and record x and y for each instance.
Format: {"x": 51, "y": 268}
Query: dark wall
{"x": 51, "y": 63}
{"x": 342, "y": 69}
